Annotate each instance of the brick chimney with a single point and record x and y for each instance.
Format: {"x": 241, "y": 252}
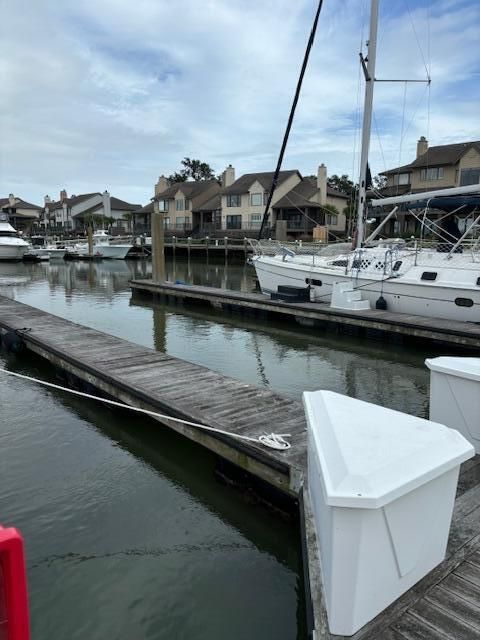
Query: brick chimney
{"x": 228, "y": 176}
{"x": 422, "y": 146}
{"x": 63, "y": 195}
{"x": 161, "y": 186}
{"x": 322, "y": 184}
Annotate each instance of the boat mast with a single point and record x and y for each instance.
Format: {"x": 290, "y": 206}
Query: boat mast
{"x": 369, "y": 70}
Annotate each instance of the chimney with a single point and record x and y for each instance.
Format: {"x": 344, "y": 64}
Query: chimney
{"x": 422, "y": 146}
{"x": 322, "y": 184}
{"x": 161, "y": 186}
{"x": 228, "y": 176}
{"x": 47, "y": 200}
{"x": 11, "y": 200}
{"x": 63, "y": 195}
{"x": 107, "y": 209}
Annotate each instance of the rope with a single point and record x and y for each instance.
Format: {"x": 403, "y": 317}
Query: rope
{"x": 270, "y": 440}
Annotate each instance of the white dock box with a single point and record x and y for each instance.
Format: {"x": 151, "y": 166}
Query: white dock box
{"x": 382, "y": 486}
{"x": 455, "y": 395}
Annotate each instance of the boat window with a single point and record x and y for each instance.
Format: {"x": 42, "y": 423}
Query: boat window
{"x": 317, "y": 283}
{"x": 478, "y": 282}
{"x": 429, "y": 275}
{"x": 464, "y": 302}
{"x": 397, "y": 265}
{"x": 339, "y": 263}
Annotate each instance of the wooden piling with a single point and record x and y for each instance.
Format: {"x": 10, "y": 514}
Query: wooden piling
{"x": 158, "y": 245}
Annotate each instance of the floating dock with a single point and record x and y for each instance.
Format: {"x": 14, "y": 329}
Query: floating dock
{"x": 372, "y": 323}
{"x": 445, "y": 604}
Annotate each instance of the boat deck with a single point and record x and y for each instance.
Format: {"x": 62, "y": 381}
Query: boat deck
{"x": 372, "y": 323}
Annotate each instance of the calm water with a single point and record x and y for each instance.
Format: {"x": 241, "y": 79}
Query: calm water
{"x": 128, "y": 533}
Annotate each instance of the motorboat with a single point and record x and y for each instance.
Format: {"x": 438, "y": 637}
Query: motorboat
{"x": 12, "y": 246}
{"x": 102, "y": 247}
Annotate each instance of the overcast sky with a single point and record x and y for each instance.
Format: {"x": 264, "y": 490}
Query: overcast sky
{"x": 109, "y": 94}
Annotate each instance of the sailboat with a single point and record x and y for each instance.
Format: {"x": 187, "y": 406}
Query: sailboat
{"x": 439, "y": 278}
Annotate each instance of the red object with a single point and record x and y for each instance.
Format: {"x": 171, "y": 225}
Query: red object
{"x": 14, "y": 624}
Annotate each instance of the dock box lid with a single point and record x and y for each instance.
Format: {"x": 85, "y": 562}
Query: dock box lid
{"x": 370, "y": 456}
{"x": 462, "y": 367}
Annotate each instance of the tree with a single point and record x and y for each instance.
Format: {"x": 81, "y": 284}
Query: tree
{"x": 342, "y": 183}
{"x": 193, "y": 170}
{"x": 379, "y": 182}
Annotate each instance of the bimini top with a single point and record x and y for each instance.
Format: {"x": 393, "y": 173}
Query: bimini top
{"x": 468, "y": 203}
{"x": 369, "y": 456}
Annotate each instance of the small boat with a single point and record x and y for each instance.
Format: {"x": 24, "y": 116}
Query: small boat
{"x": 103, "y": 247}
{"x": 12, "y": 246}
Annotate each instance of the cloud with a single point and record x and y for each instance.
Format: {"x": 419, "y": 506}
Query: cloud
{"x": 109, "y": 94}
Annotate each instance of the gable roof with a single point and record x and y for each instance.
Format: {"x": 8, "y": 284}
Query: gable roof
{"x": 121, "y": 205}
{"x": 148, "y": 208}
{"x": 301, "y": 193}
{"x": 70, "y": 201}
{"x": 243, "y": 184}
{"x": 212, "y": 204}
{"x": 445, "y": 154}
{"x": 189, "y": 188}
{"x": 20, "y": 204}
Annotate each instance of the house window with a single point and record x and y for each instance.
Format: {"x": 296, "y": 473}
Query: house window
{"x": 332, "y": 218}
{"x": 401, "y": 178}
{"x": 234, "y": 201}
{"x": 182, "y": 223}
{"x": 434, "y": 173}
{"x": 234, "y": 222}
{"x": 469, "y": 176}
{"x": 255, "y": 220}
{"x": 180, "y": 205}
{"x": 163, "y": 205}
{"x": 256, "y": 199}
{"x": 166, "y": 222}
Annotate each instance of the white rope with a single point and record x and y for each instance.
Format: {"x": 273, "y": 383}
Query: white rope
{"x": 271, "y": 440}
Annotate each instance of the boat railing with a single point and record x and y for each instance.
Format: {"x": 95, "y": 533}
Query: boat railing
{"x": 298, "y": 247}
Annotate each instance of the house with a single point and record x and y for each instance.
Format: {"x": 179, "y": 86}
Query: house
{"x": 440, "y": 167}
{"x": 182, "y": 202}
{"x": 22, "y": 214}
{"x": 74, "y": 212}
{"x": 308, "y": 205}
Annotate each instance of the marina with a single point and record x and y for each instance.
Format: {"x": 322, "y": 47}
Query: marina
{"x": 120, "y": 369}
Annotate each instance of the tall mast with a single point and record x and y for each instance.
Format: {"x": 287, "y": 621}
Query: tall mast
{"x": 369, "y": 70}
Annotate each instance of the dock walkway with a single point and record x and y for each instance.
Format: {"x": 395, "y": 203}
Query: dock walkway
{"x": 461, "y": 335}
{"x": 445, "y": 605}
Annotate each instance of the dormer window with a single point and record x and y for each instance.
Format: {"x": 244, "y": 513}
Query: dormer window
{"x": 433, "y": 173}
{"x": 256, "y": 199}
{"x": 180, "y": 205}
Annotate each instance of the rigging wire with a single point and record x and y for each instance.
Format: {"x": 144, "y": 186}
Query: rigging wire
{"x": 290, "y": 118}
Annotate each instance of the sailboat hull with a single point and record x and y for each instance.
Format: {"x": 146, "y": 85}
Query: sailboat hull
{"x": 401, "y": 294}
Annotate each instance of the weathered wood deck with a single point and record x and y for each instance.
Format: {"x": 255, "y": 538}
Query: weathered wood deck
{"x": 461, "y": 335}
{"x": 146, "y": 378}
{"x": 444, "y": 605}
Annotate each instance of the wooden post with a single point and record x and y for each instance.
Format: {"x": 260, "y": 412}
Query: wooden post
{"x": 158, "y": 241}
{"x": 90, "y": 240}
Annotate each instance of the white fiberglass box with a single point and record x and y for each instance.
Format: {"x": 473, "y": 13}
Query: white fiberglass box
{"x": 382, "y": 486}
{"x": 455, "y": 395}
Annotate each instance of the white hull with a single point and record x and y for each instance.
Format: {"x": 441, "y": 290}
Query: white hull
{"x": 401, "y": 294}
{"x": 106, "y": 251}
{"x": 13, "y": 252}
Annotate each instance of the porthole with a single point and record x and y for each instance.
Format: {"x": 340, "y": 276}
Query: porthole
{"x": 397, "y": 265}
{"x": 464, "y": 302}
{"x": 429, "y": 275}
{"x": 317, "y": 283}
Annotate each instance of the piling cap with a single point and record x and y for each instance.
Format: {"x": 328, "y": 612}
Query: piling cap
{"x": 461, "y": 367}
{"x": 369, "y": 456}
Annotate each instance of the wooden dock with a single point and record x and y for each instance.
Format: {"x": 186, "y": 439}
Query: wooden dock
{"x": 445, "y": 605}
{"x": 372, "y": 323}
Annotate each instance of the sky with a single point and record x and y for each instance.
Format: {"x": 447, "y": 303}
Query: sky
{"x": 110, "y": 94}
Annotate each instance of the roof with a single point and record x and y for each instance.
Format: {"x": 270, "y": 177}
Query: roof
{"x": 189, "y": 188}
{"x": 211, "y": 205}
{"x": 20, "y": 204}
{"x": 70, "y": 201}
{"x": 301, "y": 193}
{"x": 445, "y": 154}
{"x": 121, "y": 205}
{"x": 243, "y": 184}
{"x": 148, "y": 208}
